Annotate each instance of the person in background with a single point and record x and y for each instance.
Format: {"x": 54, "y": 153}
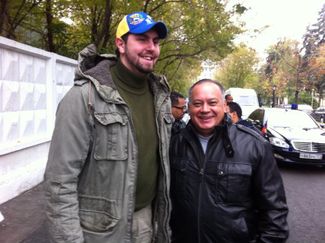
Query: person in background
{"x": 235, "y": 113}
{"x": 225, "y": 184}
{"x": 107, "y": 176}
{"x": 178, "y": 111}
{"x": 228, "y": 98}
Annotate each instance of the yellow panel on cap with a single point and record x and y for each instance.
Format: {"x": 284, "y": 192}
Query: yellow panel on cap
{"x": 122, "y": 28}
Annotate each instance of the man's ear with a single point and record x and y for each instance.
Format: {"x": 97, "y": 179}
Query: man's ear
{"x": 120, "y": 45}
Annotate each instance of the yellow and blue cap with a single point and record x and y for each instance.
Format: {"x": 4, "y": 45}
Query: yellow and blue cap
{"x": 139, "y": 23}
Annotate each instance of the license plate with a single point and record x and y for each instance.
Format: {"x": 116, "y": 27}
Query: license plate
{"x": 310, "y": 156}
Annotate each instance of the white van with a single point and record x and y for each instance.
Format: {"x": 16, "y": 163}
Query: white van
{"x": 246, "y": 98}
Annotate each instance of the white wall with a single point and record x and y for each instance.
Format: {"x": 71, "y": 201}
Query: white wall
{"x": 32, "y": 82}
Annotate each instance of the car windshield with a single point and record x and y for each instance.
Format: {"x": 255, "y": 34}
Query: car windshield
{"x": 291, "y": 119}
{"x": 320, "y": 109}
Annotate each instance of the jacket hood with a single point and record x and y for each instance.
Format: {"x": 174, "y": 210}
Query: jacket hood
{"x": 91, "y": 64}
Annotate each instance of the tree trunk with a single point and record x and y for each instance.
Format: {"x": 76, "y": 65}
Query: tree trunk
{"x": 94, "y": 26}
{"x": 296, "y": 96}
{"x": 49, "y": 25}
{"x": 106, "y": 25}
{"x": 4, "y": 18}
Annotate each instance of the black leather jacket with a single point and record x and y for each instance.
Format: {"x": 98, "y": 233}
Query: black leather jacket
{"x": 233, "y": 193}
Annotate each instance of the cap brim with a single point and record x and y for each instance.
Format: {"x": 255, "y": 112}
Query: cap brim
{"x": 159, "y": 26}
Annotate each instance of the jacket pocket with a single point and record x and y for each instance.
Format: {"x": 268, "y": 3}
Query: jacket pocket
{"x": 239, "y": 231}
{"x": 166, "y": 126}
{"x": 234, "y": 182}
{"x": 168, "y": 119}
{"x": 98, "y": 214}
{"x": 111, "y": 136}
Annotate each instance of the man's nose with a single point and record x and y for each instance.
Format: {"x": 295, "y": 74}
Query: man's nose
{"x": 205, "y": 107}
{"x": 150, "y": 45}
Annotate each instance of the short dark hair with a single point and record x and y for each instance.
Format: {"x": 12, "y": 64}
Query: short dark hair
{"x": 227, "y": 95}
{"x": 235, "y": 107}
{"x": 174, "y": 96}
{"x": 205, "y": 80}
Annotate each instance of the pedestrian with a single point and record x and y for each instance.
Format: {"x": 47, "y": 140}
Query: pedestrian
{"x": 225, "y": 183}
{"x": 229, "y": 98}
{"x": 178, "y": 111}
{"x": 235, "y": 113}
{"x": 107, "y": 177}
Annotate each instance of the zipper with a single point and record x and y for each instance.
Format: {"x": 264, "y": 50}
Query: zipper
{"x": 201, "y": 187}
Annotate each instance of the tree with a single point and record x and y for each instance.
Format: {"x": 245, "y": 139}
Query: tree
{"x": 198, "y": 30}
{"x": 313, "y": 43}
{"x": 185, "y": 76}
{"x": 15, "y": 15}
{"x": 36, "y": 23}
{"x": 283, "y": 70}
{"x": 316, "y": 70}
{"x": 239, "y": 69}
{"x": 49, "y": 23}
{"x": 4, "y": 22}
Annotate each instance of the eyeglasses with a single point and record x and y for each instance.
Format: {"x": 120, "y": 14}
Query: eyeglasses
{"x": 180, "y": 107}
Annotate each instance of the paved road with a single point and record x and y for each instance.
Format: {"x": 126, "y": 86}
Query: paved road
{"x": 24, "y": 218}
{"x": 305, "y": 191}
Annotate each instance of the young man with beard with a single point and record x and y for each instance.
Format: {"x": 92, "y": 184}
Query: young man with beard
{"x": 107, "y": 177}
{"x": 225, "y": 183}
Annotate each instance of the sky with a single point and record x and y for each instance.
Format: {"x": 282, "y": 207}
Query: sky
{"x": 286, "y": 19}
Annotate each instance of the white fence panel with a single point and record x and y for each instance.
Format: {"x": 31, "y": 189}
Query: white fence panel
{"x": 32, "y": 82}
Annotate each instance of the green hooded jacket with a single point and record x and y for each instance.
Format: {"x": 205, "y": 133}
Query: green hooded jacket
{"x": 92, "y": 165}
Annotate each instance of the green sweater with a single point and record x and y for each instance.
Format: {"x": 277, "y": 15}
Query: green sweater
{"x": 136, "y": 92}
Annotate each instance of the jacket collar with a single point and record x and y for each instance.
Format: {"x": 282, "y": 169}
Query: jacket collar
{"x": 221, "y": 130}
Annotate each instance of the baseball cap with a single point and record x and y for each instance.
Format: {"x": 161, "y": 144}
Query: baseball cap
{"x": 139, "y": 23}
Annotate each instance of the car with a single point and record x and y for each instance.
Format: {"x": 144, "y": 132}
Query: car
{"x": 303, "y": 107}
{"x": 319, "y": 114}
{"x": 295, "y": 136}
{"x": 320, "y": 110}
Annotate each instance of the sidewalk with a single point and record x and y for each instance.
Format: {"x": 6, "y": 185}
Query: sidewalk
{"x": 24, "y": 218}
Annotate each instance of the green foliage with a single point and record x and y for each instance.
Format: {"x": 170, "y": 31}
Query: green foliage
{"x": 295, "y": 75}
{"x": 304, "y": 98}
{"x": 238, "y": 69}
{"x": 184, "y": 77}
{"x": 24, "y": 21}
{"x": 313, "y": 59}
{"x": 198, "y": 30}
{"x": 283, "y": 70}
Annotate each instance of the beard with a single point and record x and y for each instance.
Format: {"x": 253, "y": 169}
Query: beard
{"x": 138, "y": 63}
